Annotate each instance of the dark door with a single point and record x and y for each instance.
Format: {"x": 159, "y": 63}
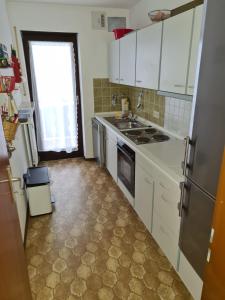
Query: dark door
{"x": 53, "y": 78}
{"x": 214, "y": 277}
{"x": 14, "y": 282}
{"x": 196, "y": 223}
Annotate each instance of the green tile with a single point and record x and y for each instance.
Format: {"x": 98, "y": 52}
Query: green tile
{"x": 105, "y": 83}
{"x": 97, "y": 82}
{"x": 105, "y": 92}
{"x": 97, "y": 92}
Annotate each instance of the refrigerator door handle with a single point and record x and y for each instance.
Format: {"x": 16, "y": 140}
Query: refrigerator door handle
{"x": 180, "y": 204}
{"x": 185, "y": 164}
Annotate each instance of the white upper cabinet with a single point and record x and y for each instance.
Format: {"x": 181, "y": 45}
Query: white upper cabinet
{"x": 128, "y": 59}
{"x": 114, "y": 61}
{"x": 176, "y": 43}
{"x": 194, "y": 49}
{"x": 148, "y": 56}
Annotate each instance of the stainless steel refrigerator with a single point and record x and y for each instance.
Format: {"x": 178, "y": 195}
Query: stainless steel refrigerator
{"x": 206, "y": 143}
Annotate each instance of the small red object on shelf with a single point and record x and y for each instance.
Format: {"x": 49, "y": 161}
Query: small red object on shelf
{"x": 16, "y": 67}
{"x": 120, "y": 32}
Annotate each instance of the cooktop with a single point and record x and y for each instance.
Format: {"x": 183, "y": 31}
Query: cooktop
{"x": 145, "y": 136}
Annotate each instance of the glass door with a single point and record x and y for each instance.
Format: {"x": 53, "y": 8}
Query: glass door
{"x": 54, "y": 87}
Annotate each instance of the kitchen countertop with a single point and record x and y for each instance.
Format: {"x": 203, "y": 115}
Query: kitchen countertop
{"x": 165, "y": 155}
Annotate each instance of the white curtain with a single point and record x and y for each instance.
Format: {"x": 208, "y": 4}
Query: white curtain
{"x": 54, "y": 93}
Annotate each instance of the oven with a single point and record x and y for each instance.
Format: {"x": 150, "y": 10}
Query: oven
{"x": 126, "y": 166}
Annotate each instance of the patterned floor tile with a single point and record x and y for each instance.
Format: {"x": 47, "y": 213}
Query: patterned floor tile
{"x": 93, "y": 246}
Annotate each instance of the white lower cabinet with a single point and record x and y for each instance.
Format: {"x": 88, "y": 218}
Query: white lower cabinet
{"x": 111, "y": 153}
{"x": 144, "y": 194}
{"x": 166, "y": 220}
{"x": 166, "y": 239}
{"x": 156, "y": 200}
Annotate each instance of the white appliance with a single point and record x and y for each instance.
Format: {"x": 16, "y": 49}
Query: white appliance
{"x": 38, "y": 191}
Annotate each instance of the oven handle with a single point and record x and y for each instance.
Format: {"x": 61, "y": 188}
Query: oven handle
{"x": 127, "y": 154}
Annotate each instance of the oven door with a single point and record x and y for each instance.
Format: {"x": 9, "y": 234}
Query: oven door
{"x": 126, "y": 167}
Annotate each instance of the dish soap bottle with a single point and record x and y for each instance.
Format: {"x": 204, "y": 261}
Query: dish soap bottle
{"x": 125, "y": 107}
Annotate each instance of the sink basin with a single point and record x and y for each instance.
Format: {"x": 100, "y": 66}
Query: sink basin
{"x": 123, "y": 124}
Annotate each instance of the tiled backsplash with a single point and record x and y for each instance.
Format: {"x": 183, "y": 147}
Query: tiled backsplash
{"x": 150, "y": 102}
{"x": 174, "y": 114}
{"x": 177, "y": 116}
{"x": 104, "y": 90}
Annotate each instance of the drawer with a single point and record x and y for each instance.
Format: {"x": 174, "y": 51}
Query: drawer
{"x": 165, "y": 205}
{"x": 165, "y": 239}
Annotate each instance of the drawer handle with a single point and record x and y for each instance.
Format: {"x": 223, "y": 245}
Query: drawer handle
{"x": 163, "y": 186}
{"x": 147, "y": 180}
{"x": 179, "y": 85}
{"x": 164, "y": 199}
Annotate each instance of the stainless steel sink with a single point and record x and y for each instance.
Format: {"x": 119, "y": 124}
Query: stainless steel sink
{"x": 125, "y": 123}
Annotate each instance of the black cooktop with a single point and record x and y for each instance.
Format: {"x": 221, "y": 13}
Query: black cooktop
{"x": 146, "y": 136}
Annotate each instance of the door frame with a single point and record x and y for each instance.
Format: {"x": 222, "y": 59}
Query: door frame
{"x": 28, "y": 36}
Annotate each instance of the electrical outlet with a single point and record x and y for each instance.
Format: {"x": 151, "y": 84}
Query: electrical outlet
{"x": 155, "y": 114}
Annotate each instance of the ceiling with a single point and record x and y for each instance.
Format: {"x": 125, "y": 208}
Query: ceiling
{"x": 98, "y": 3}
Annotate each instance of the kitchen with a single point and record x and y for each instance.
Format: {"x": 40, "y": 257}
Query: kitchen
{"x": 144, "y": 152}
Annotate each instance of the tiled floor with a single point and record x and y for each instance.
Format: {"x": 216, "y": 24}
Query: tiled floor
{"x": 94, "y": 246}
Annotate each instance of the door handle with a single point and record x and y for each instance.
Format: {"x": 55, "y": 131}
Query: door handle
{"x": 184, "y": 186}
{"x": 180, "y": 204}
{"x": 185, "y": 164}
{"x": 10, "y": 180}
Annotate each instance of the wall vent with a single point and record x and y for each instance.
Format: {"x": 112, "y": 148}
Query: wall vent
{"x": 116, "y": 22}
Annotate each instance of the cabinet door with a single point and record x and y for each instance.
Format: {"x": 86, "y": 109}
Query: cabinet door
{"x": 127, "y": 59}
{"x": 111, "y": 155}
{"x": 175, "y": 52}
{"x": 114, "y": 61}
{"x": 165, "y": 239}
{"x": 167, "y": 197}
{"x": 194, "y": 49}
{"x": 144, "y": 193}
{"x": 148, "y": 56}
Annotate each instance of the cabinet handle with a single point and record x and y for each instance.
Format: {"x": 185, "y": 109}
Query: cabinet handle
{"x": 179, "y": 85}
{"x": 147, "y": 180}
{"x": 138, "y": 81}
{"x": 117, "y": 79}
{"x": 191, "y": 87}
{"x": 121, "y": 79}
{"x": 164, "y": 199}
{"x": 163, "y": 186}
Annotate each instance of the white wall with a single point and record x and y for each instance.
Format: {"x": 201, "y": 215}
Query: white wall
{"x": 5, "y": 34}
{"x": 139, "y": 13}
{"x": 93, "y": 44}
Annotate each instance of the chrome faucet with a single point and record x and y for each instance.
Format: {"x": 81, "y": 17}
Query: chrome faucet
{"x": 139, "y": 100}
